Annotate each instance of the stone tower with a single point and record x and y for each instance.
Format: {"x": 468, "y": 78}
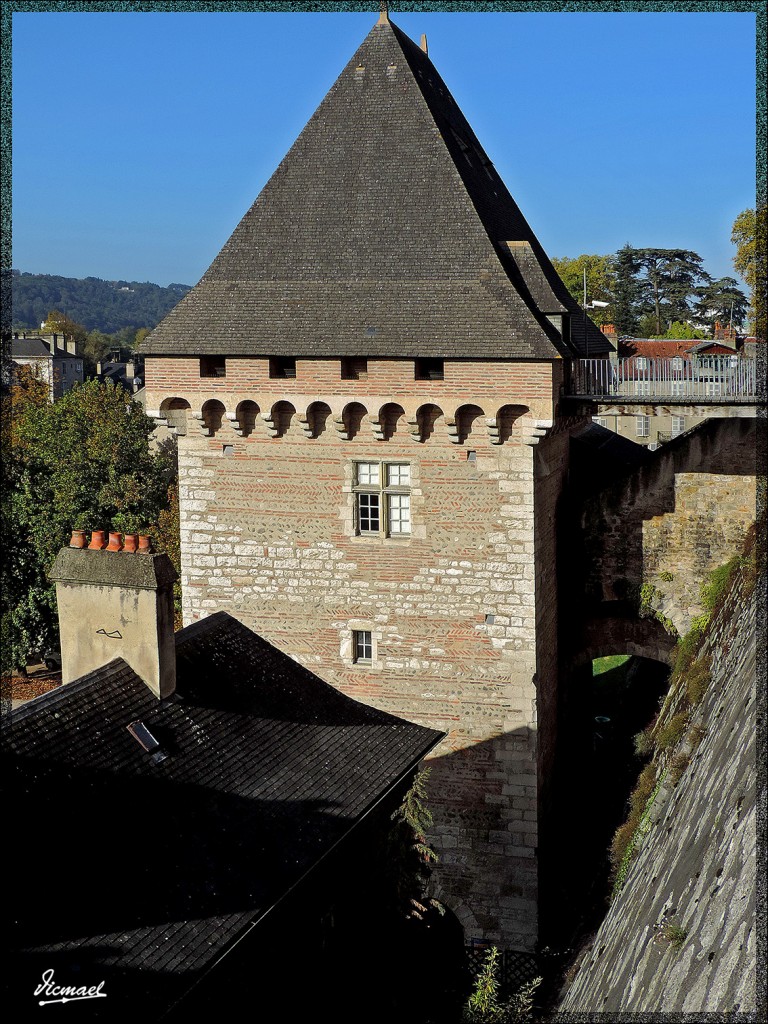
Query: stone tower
{"x": 365, "y": 386}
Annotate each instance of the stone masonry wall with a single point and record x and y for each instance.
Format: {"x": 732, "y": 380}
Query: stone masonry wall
{"x": 673, "y": 521}
{"x": 696, "y": 869}
{"x": 268, "y": 534}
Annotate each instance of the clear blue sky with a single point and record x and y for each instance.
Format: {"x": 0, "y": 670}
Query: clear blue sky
{"x": 140, "y": 139}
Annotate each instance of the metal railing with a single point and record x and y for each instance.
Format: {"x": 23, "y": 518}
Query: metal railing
{"x": 709, "y": 378}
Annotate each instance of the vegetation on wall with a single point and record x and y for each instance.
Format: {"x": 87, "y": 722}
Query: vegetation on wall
{"x": 661, "y": 743}
{"x": 485, "y": 1005}
{"x": 410, "y": 856}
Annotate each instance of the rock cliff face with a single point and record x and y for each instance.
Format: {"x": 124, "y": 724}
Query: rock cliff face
{"x": 680, "y": 937}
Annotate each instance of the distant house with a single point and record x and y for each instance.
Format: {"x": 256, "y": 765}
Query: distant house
{"x": 196, "y": 816}
{"x": 127, "y": 374}
{"x": 55, "y": 359}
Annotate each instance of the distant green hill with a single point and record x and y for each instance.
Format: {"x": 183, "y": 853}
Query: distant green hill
{"x": 98, "y": 305}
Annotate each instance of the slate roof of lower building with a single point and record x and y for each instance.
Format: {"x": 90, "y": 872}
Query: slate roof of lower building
{"x": 29, "y": 348}
{"x": 386, "y": 213}
{"x": 143, "y": 874}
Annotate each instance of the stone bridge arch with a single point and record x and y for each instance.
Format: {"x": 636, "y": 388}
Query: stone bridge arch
{"x": 614, "y": 632}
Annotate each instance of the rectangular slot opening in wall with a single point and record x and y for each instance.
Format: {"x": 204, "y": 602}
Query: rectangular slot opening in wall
{"x": 429, "y": 369}
{"x": 282, "y": 367}
{"x": 353, "y": 368}
{"x": 213, "y": 366}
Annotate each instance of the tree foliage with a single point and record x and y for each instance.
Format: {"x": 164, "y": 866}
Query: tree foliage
{"x": 671, "y": 278}
{"x": 650, "y": 289}
{"x": 749, "y": 236}
{"x": 722, "y": 301}
{"x": 627, "y": 291}
{"x": 409, "y": 855}
{"x": 78, "y": 462}
{"x": 107, "y": 306}
{"x": 600, "y": 281}
{"x": 679, "y": 329}
{"x": 57, "y": 322}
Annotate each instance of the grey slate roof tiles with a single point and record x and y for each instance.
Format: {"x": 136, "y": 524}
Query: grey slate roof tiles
{"x": 29, "y": 348}
{"x": 385, "y": 213}
{"x": 153, "y": 870}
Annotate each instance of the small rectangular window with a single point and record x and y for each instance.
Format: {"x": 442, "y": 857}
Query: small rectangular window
{"x": 213, "y": 366}
{"x": 363, "y": 645}
{"x": 601, "y": 421}
{"x": 641, "y": 363}
{"x": 353, "y": 368}
{"x": 282, "y": 367}
{"x": 429, "y": 369}
{"x": 643, "y": 426}
{"x": 678, "y": 425}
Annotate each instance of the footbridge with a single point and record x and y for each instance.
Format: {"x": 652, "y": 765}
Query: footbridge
{"x": 716, "y": 386}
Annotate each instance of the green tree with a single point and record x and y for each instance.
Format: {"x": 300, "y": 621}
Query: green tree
{"x": 722, "y": 301}
{"x": 749, "y": 236}
{"x": 600, "y": 281}
{"x": 78, "y": 462}
{"x": 59, "y": 323}
{"x": 673, "y": 276}
{"x": 679, "y": 330}
{"x": 627, "y": 291}
{"x": 94, "y": 349}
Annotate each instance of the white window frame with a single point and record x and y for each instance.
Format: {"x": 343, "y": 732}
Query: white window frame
{"x": 382, "y": 494}
{"x": 642, "y": 426}
{"x": 362, "y": 646}
{"x": 678, "y": 425}
{"x": 641, "y": 362}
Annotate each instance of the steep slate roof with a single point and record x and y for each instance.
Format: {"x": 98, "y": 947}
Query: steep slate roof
{"x": 383, "y": 232}
{"x": 143, "y": 874}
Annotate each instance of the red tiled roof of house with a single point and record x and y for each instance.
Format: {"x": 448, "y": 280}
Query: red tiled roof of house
{"x": 653, "y": 348}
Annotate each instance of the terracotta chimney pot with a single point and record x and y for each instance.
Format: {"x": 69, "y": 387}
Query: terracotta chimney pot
{"x": 145, "y": 544}
{"x": 77, "y": 539}
{"x": 98, "y": 540}
{"x": 131, "y": 542}
{"x": 115, "y": 541}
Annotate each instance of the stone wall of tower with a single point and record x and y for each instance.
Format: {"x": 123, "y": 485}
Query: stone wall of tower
{"x": 463, "y": 623}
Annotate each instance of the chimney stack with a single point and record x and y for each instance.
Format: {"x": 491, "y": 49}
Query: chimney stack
{"x": 116, "y": 604}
